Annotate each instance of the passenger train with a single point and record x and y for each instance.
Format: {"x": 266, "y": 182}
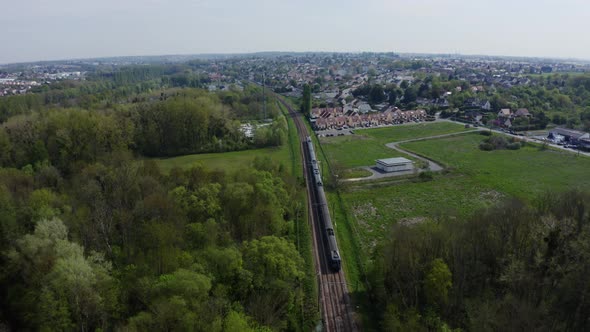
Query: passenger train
{"x": 333, "y": 254}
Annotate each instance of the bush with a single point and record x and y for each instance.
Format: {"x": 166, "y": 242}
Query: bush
{"x": 485, "y": 133}
{"x": 513, "y": 146}
{"x": 498, "y": 142}
{"x": 486, "y": 146}
{"x": 426, "y": 176}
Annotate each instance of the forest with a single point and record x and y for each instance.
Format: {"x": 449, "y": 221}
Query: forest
{"x": 515, "y": 266}
{"x": 94, "y": 237}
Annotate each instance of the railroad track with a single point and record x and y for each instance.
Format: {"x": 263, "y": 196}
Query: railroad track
{"x": 334, "y": 298}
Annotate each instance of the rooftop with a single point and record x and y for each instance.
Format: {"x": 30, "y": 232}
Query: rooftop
{"x": 568, "y": 132}
{"x": 393, "y": 161}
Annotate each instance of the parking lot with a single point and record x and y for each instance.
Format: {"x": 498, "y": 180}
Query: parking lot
{"x": 334, "y": 132}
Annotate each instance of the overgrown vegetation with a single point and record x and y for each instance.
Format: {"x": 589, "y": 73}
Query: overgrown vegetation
{"x": 95, "y": 237}
{"x": 510, "y": 267}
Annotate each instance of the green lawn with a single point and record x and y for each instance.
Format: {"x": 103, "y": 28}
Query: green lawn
{"x": 367, "y": 145}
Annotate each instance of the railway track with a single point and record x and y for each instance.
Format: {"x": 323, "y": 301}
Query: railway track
{"x": 334, "y": 298}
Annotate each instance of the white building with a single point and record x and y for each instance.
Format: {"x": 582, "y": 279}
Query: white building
{"x": 395, "y": 164}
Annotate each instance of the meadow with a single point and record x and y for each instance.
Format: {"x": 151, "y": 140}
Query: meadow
{"x": 226, "y": 161}
{"x": 367, "y": 145}
{"x": 475, "y": 179}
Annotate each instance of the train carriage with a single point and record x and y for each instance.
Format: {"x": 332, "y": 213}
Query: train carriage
{"x": 333, "y": 254}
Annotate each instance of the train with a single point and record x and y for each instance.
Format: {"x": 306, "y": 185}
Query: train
{"x": 332, "y": 254}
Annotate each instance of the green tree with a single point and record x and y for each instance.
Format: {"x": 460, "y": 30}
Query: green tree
{"x": 437, "y": 282}
{"x": 306, "y": 100}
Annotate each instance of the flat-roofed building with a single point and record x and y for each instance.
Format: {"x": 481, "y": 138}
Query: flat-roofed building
{"x": 395, "y": 164}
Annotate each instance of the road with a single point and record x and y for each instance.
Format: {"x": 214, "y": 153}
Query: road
{"x": 334, "y": 297}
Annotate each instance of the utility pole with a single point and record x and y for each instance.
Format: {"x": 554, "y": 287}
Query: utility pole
{"x": 264, "y": 93}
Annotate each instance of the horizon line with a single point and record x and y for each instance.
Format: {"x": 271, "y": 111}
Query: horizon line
{"x": 229, "y": 54}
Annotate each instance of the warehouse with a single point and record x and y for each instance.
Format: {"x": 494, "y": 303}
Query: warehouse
{"x": 567, "y": 135}
{"x": 395, "y": 164}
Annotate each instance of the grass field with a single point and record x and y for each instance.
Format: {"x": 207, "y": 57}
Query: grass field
{"x": 524, "y": 173}
{"x": 367, "y": 145}
{"x": 477, "y": 179}
{"x": 227, "y": 161}
{"x": 355, "y": 173}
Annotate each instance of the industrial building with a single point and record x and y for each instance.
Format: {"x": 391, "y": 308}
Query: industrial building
{"x": 395, "y": 164}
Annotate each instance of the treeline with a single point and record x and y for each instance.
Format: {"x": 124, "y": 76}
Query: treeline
{"x": 120, "y": 246}
{"x": 512, "y": 267}
{"x": 104, "y": 89}
{"x": 187, "y": 122}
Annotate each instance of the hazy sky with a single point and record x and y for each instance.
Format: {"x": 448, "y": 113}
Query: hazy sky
{"x": 63, "y": 29}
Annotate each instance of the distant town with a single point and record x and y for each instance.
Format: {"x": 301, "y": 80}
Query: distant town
{"x": 360, "y": 90}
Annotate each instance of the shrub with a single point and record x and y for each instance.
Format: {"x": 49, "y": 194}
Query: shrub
{"x": 485, "y": 133}
{"x": 426, "y": 176}
{"x": 498, "y": 142}
{"x": 486, "y": 146}
{"x": 513, "y": 146}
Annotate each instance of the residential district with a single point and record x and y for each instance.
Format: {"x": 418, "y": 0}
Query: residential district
{"x": 353, "y": 90}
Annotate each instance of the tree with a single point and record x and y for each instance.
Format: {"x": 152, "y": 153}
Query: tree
{"x": 437, "y": 283}
{"x": 306, "y": 100}
{"x": 76, "y": 288}
{"x": 376, "y": 95}
{"x": 410, "y": 95}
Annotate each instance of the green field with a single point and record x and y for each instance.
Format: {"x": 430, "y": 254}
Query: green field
{"x": 476, "y": 179}
{"x": 367, "y": 145}
{"x": 227, "y": 161}
{"x": 524, "y": 173}
{"x": 353, "y": 173}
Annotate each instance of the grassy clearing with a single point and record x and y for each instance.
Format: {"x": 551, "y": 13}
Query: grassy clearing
{"x": 478, "y": 179}
{"x": 294, "y": 144}
{"x": 227, "y": 161}
{"x": 412, "y": 131}
{"x": 523, "y": 173}
{"x": 367, "y": 145}
{"x": 354, "y": 173}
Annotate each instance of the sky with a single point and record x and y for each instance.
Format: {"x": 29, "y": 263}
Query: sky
{"x": 34, "y": 30}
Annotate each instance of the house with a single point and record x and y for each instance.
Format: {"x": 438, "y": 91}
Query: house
{"x": 476, "y": 103}
{"x": 364, "y": 108}
{"x": 505, "y": 113}
{"x": 441, "y": 103}
{"x": 316, "y": 112}
{"x": 474, "y": 116}
{"x": 321, "y": 124}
